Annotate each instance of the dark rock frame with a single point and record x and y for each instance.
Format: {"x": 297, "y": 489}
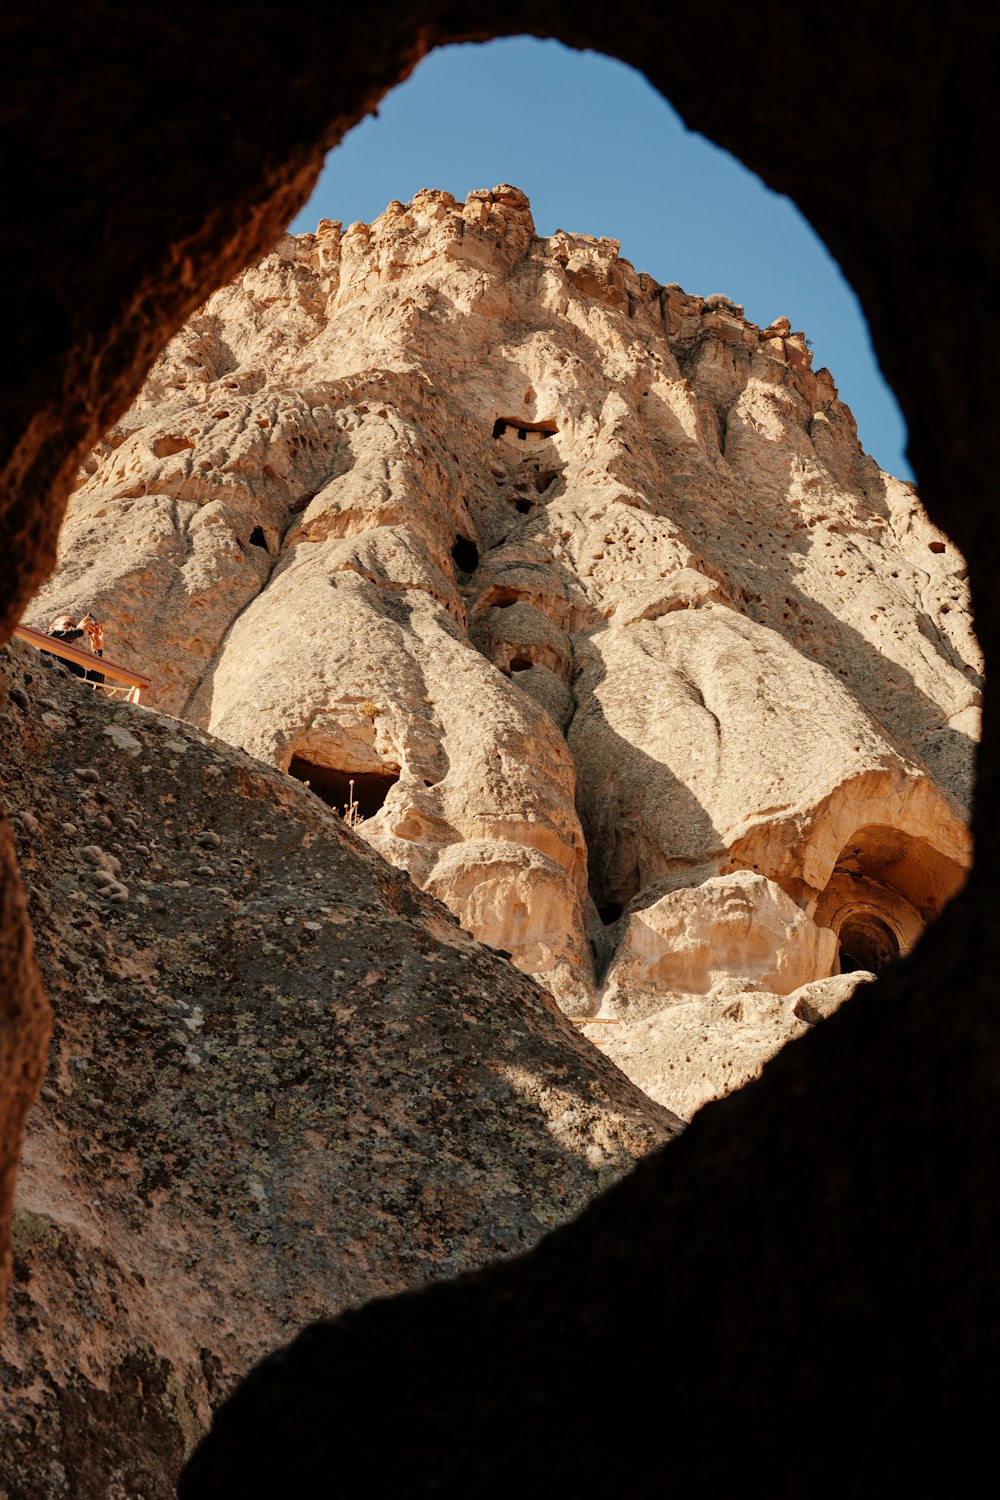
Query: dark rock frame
{"x": 799, "y": 1296}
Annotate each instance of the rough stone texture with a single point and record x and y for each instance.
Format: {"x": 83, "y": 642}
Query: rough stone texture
{"x": 323, "y": 530}
{"x": 695, "y": 1048}
{"x": 24, "y": 1031}
{"x": 816, "y": 1254}
{"x": 740, "y": 927}
{"x": 282, "y": 1081}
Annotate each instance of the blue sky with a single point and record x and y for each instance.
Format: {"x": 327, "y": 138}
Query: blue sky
{"x": 598, "y": 151}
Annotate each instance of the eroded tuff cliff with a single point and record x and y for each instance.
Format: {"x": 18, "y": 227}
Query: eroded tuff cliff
{"x": 823, "y": 1277}
{"x": 635, "y": 659}
{"x": 282, "y": 1081}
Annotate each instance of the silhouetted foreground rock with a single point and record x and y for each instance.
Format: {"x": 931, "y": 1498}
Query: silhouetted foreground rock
{"x": 823, "y": 1247}
{"x": 703, "y": 1328}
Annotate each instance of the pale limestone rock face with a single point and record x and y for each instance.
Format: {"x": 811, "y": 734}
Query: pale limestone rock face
{"x": 516, "y": 899}
{"x": 740, "y": 927}
{"x": 282, "y": 1082}
{"x": 585, "y": 581}
{"x": 704, "y": 735}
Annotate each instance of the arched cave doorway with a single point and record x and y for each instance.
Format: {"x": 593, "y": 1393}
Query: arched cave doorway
{"x": 370, "y": 788}
{"x": 524, "y": 430}
{"x": 867, "y": 942}
{"x": 885, "y": 887}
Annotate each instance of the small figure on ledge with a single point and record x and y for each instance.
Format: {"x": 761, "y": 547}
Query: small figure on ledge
{"x": 65, "y": 628}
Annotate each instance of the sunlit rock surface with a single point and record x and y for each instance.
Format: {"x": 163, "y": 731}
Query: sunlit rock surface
{"x": 583, "y": 581}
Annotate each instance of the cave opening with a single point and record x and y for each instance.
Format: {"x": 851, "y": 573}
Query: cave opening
{"x": 866, "y": 942}
{"x": 609, "y": 912}
{"x": 501, "y": 597}
{"x": 885, "y": 887}
{"x": 521, "y": 664}
{"x": 258, "y": 539}
{"x": 521, "y": 427}
{"x": 370, "y": 788}
{"x": 805, "y": 1142}
{"x": 524, "y": 507}
{"x": 465, "y": 555}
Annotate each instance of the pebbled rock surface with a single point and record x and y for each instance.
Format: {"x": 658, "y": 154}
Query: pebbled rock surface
{"x": 282, "y": 1081}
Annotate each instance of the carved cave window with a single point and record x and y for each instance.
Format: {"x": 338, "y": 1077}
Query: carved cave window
{"x": 866, "y": 942}
{"x": 517, "y": 426}
{"x": 334, "y": 787}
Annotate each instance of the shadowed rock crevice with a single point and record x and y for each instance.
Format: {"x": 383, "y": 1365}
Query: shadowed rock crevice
{"x": 367, "y": 790}
{"x": 646, "y": 595}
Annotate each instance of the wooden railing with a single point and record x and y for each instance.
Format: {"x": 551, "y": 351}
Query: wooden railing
{"x": 135, "y": 682}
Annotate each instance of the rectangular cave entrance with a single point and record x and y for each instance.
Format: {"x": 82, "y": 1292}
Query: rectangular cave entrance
{"x": 334, "y": 787}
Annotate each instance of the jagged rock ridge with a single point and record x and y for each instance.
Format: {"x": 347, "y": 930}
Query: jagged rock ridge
{"x": 585, "y": 582}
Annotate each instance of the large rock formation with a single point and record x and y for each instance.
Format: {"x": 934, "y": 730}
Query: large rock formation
{"x": 581, "y": 586}
{"x": 282, "y": 1081}
{"x": 810, "y": 1270}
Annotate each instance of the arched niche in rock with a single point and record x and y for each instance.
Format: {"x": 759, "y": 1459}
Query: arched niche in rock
{"x": 868, "y": 941}
{"x": 886, "y": 886}
{"x": 343, "y": 788}
{"x": 913, "y": 840}
{"x": 902, "y": 862}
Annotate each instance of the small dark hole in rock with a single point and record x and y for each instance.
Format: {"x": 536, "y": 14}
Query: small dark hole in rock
{"x": 610, "y": 912}
{"x": 499, "y": 427}
{"x": 523, "y": 507}
{"x": 520, "y": 664}
{"x": 334, "y": 787}
{"x": 936, "y": 546}
{"x": 465, "y": 555}
{"x": 866, "y": 943}
{"x": 258, "y": 539}
{"x": 503, "y": 598}
{"x": 544, "y": 479}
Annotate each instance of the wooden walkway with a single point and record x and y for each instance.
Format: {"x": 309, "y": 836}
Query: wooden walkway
{"x": 134, "y": 682}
